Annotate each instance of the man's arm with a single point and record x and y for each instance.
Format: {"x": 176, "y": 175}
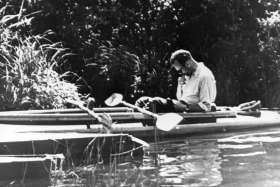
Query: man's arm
{"x": 207, "y": 93}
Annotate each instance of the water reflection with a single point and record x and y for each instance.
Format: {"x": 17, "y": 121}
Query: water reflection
{"x": 188, "y": 163}
{"x": 251, "y": 159}
{"x": 247, "y": 159}
{"x": 227, "y": 160}
{"x": 268, "y": 136}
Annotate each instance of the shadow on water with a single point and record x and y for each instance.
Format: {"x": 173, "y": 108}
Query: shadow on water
{"x": 243, "y": 159}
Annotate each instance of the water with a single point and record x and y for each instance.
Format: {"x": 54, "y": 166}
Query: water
{"x": 247, "y": 159}
{"x": 228, "y": 160}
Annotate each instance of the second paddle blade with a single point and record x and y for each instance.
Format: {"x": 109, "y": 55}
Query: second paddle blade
{"x": 114, "y": 99}
{"x": 168, "y": 121}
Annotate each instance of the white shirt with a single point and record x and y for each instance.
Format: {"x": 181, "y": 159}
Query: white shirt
{"x": 199, "y": 89}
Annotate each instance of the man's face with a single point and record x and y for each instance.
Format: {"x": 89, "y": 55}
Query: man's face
{"x": 186, "y": 69}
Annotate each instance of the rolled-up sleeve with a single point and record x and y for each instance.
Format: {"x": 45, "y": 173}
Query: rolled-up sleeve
{"x": 207, "y": 92}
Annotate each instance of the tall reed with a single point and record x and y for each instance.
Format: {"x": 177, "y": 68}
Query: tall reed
{"x": 27, "y": 67}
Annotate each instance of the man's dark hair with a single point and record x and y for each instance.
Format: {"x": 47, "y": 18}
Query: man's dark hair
{"x": 181, "y": 56}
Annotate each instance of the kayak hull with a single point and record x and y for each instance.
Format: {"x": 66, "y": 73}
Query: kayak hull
{"x": 190, "y": 126}
{"x": 133, "y": 123}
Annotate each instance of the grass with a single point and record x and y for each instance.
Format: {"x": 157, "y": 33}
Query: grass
{"x": 28, "y": 79}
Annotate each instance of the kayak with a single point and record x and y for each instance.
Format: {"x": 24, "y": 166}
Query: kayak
{"x": 142, "y": 125}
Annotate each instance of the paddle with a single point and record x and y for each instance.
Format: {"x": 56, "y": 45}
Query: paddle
{"x": 104, "y": 119}
{"x": 164, "y": 122}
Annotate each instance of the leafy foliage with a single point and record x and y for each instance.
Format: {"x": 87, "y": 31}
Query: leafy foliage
{"x": 27, "y": 75}
{"x": 124, "y": 46}
{"x": 270, "y": 57}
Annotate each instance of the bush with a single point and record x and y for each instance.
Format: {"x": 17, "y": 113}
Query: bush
{"x": 27, "y": 68}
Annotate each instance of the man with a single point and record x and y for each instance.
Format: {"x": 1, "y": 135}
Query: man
{"x": 196, "y": 89}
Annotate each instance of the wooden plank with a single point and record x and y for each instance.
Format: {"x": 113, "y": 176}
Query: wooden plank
{"x": 40, "y": 136}
{"x": 74, "y": 145}
{"x": 29, "y": 157}
{"x": 28, "y": 166}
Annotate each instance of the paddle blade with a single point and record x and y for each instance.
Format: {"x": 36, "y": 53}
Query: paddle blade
{"x": 114, "y": 99}
{"x": 168, "y": 121}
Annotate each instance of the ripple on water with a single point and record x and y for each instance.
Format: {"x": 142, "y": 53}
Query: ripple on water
{"x": 269, "y": 137}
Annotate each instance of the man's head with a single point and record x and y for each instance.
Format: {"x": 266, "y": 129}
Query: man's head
{"x": 182, "y": 61}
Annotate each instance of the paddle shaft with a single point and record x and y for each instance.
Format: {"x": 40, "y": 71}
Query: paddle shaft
{"x": 164, "y": 122}
{"x": 90, "y": 112}
{"x": 140, "y": 109}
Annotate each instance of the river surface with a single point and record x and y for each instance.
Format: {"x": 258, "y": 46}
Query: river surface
{"x": 228, "y": 160}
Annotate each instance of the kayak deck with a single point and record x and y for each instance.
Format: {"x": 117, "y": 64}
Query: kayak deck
{"x": 223, "y": 122}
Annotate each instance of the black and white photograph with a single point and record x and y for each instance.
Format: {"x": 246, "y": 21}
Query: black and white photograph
{"x": 139, "y": 93}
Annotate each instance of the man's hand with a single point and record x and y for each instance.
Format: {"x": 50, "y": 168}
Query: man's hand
{"x": 144, "y": 102}
{"x": 147, "y": 102}
{"x": 181, "y": 80}
{"x": 159, "y": 100}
